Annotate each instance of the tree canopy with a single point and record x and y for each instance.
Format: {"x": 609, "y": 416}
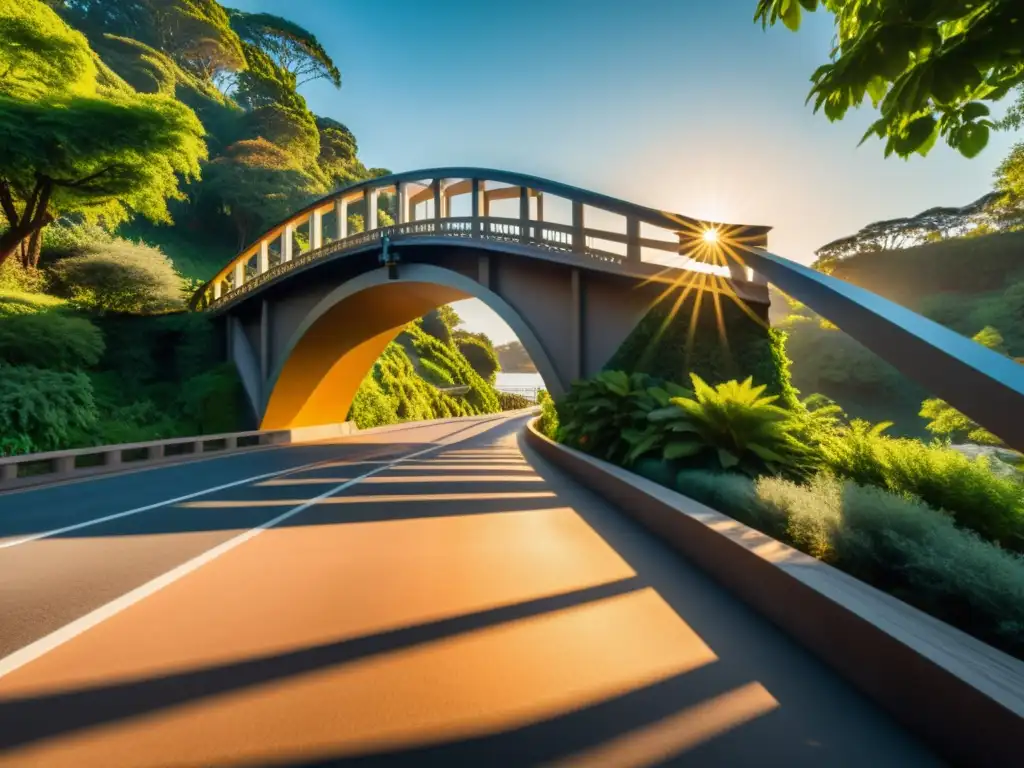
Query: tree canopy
{"x": 87, "y": 144}
{"x": 929, "y": 67}
{"x": 934, "y": 224}
{"x": 292, "y": 48}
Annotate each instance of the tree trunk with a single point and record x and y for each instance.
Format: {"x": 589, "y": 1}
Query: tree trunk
{"x": 35, "y": 245}
{"x": 29, "y": 224}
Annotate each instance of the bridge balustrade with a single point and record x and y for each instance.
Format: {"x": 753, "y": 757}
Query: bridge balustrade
{"x": 327, "y": 224}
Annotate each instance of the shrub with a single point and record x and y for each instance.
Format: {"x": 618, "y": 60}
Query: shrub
{"x": 977, "y": 498}
{"x": 897, "y": 544}
{"x": 14, "y": 277}
{"x": 548, "y": 422}
{"x": 50, "y": 340}
{"x": 511, "y": 401}
{"x": 212, "y": 400}
{"x": 119, "y": 277}
{"x": 606, "y": 415}
{"x": 481, "y": 356}
{"x": 435, "y": 374}
{"x": 44, "y": 407}
{"x": 434, "y": 325}
{"x": 66, "y": 238}
{"x": 731, "y": 425}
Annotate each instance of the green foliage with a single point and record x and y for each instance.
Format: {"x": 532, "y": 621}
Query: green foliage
{"x": 929, "y": 67}
{"x": 212, "y": 400}
{"x": 39, "y": 53}
{"x": 436, "y": 374}
{"x": 481, "y": 397}
{"x": 44, "y": 407}
{"x": 434, "y": 325}
{"x": 897, "y": 544}
{"x": 977, "y": 498}
{"x": 481, "y": 356}
{"x": 670, "y": 345}
{"x": 548, "y": 422}
{"x": 119, "y": 277}
{"x": 54, "y": 340}
{"x": 510, "y": 401}
{"x": 733, "y": 425}
{"x": 81, "y": 145}
{"x": 195, "y": 33}
{"x": 15, "y": 277}
{"x": 258, "y": 184}
{"x": 65, "y": 238}
{"x": 22, "y": 303}
{"x": 945, "y": 421}
{"x": 293, "y": 48}
{"x": 606, "y": 415}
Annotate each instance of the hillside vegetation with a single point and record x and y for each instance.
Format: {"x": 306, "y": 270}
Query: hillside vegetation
{"x": 141, "y": 146}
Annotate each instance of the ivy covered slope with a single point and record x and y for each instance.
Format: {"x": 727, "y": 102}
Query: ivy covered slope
{"x": 409, "y": 381}
{"x": 670, "y": 343}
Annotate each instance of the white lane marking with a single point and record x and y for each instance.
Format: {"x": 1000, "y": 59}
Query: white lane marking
{"x": 68, "y": 632}
{"x": 255, "y": 478}
{"x": 167, "y": 502}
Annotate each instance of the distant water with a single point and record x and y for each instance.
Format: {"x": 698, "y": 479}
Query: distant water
{"x": 523, "y": 383}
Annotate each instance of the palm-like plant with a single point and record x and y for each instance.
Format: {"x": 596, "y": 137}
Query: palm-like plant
{"x": 735, "y": 426}
{"x": 599, "y": 415}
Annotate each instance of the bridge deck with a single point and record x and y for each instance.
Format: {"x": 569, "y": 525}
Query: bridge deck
{"x": 464, "y": 605}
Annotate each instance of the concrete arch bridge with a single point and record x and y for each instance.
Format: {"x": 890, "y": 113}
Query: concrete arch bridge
{"x": 311, "y": 304}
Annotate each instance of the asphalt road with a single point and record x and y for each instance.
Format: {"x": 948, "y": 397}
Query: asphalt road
{"x": 423, "y": 595}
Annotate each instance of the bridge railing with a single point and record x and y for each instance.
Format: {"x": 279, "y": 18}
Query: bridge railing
{"x": 325, "y": 227}
{"x": 54, "y": 466}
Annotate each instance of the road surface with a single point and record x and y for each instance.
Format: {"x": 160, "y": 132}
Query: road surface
{"x": 422, "y": 595}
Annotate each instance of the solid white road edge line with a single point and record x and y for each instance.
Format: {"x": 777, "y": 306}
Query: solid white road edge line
{"x": 44, "y": 645}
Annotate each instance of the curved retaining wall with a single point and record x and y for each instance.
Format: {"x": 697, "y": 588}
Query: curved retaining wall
{"x": 961, "y": 696}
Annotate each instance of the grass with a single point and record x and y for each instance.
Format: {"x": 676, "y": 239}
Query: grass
{"x": 897, "y": 544}
{"x": 13, "y": 302}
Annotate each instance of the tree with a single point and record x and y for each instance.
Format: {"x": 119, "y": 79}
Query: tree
{"x": 84, "y": 144}
{"x": 1008, "y": 209}
{"x": 929, "y": 67}
{"x": 934, "y": 224}
{"x": 258, "y": 183}
{"x": 195, "y": 33}
{"x": 481, "y": 356}
{"x": 293, "y": 49}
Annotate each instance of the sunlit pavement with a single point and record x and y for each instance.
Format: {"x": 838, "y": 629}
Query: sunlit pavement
{"x": 468, "y": 606}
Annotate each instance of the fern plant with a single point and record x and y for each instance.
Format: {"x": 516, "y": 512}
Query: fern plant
{"x": 603, "y": 414}
{"x": 733, "y": 426}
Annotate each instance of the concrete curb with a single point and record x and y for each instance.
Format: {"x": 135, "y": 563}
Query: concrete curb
{"x": 962, "y": 697}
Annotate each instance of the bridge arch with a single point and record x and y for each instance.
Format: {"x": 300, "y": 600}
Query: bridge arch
{"x": 330, "y": 352}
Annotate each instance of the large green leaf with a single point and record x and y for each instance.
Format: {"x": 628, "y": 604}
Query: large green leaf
{"x": 679, "y": 449}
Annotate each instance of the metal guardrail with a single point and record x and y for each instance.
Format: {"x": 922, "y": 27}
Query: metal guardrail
{"x": 55, "y": 466}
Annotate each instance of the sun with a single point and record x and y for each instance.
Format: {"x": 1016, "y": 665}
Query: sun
{"x": 710, "y": 236}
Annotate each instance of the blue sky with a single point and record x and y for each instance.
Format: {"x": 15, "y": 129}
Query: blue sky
{"x": 684, "y": 105}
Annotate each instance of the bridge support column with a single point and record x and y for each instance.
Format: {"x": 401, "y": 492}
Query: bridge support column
{"x": 539, "y": 229}
{"x": 341, "y": 212}
{"x": 484, "y": 271}
{"x": 239, "y": 274}
{"x": 576, "y": 326}
{"x": 438, "y": 185}
{"x": 264, "y": 349}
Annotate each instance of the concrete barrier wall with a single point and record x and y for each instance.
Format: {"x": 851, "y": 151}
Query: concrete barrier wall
{"x": 961, "y": 696}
